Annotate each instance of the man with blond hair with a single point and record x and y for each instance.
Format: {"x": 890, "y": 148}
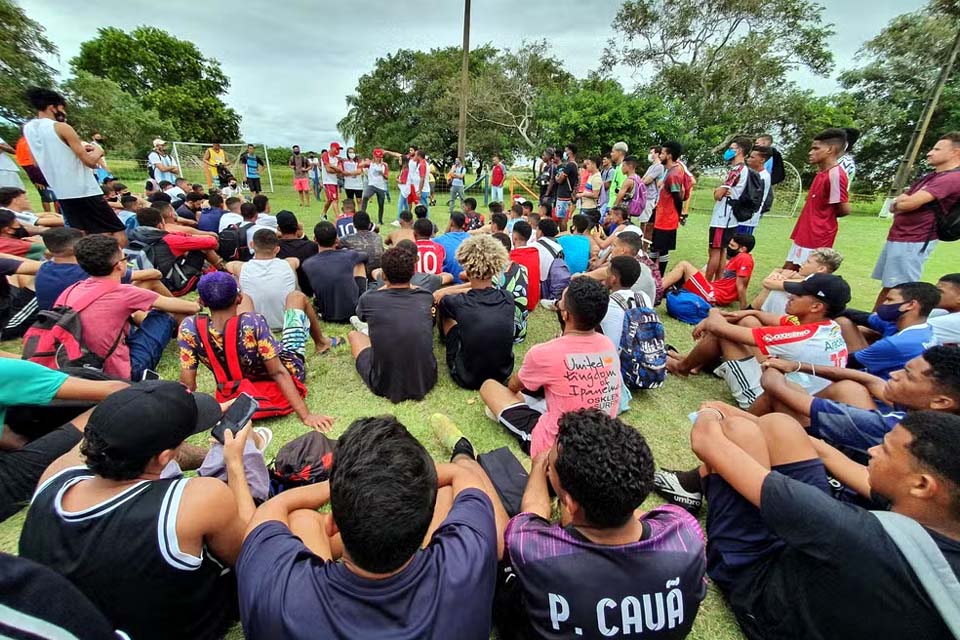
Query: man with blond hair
{"x": 773, "y": 299}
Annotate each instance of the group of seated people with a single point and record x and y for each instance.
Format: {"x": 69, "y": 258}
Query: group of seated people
{"x": 417, "y": 549}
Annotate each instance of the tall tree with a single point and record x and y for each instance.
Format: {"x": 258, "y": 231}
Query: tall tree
{"x": 728, "y": 61}
{"x": 22, "y": 47}
{"x": 167, "y": 74}
{"x": 892, "y": 83}
{"x": 98, "y": 104}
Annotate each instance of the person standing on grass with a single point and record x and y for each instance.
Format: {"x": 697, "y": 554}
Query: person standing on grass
{"x": 353, "y": 177}
{"x": 757, "y": 161}
{"x": 652, "y": 179}
{"x": 394, "y": 350}
{"x": 214, "y": 157}
{"x": 589, "y": 196}
{"x": 301, "y": 175}
{"x": 476, "y": 319}
{"x": 723, "y": 224}
{"x": 579, "y": 370}
{"x": 617, "y": 154}
{"x": 568, "y": 184}
{"x": 457, "y": 175}
{"x": 161, "y": 163}
{"x": 498, "y": 176}
{"x": 847, "y": 162}
{"x": 332, "y": 170}
{"x": 827, "y": 199}
{"x": 67, "y": 165}
{"x": 675, "y": 188}
{"x": 378, "y": 175}
{"x": 251, "y": 163}
{"x": 913, "y": 234}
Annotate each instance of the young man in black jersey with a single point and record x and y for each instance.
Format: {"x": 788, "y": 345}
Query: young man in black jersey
{"x": 148, "y": 546}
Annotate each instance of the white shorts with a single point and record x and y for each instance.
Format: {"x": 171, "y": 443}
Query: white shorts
{"x": 647, "y": 212}
{"x": 798, "y": 254}
{"x": 743, "y": 378}
{"x": 776, "y": 302}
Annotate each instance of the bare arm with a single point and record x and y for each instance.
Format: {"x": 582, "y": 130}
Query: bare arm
{"x": 7, "y": 148}
{"x": 514, "y": 384}
{"x": 142, "y": 275}
{"x": 774, "y": 383}
{"x": 843, "y": 468}
{"x": 724, "y": 457}
{"x": 843, "y": 209}
{"x": 236, "y": 475}
{"x": 281, "y": 506}
{"x": 279, "y": 374}
{"x": 188, "y": 378}
{"x": 742, "y": 283}
{"x": 176, "y": 305}
{"x": 908, "y": 203}
{"x": 90, "y": 390}
{"x": 875, "y": 385}
{"x": 536, "y": 495}
{"x": 71, "y": 139}
{"x": 718, "y": 326}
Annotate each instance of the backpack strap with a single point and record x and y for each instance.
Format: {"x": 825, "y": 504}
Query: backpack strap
{"x": 927, "y": 561}
{"x": 231, "y": 347}
{"x": 203, "y": 332}
{"x": 553, "y": 252}
{"x": 616, "y": 297}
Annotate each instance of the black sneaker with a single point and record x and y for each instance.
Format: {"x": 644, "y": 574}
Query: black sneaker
{"x": 667, "y": 485}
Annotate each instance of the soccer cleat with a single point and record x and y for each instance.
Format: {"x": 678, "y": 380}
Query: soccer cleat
{"x": 667, "y": 485}
{"x": 360, "y": 326}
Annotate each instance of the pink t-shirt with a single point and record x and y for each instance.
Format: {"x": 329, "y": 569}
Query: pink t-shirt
{"x": 576, "y": 372}
{"x": 104, "y": 319}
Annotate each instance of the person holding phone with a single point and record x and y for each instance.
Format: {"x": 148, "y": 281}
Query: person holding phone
{"x": 150, "y": 547}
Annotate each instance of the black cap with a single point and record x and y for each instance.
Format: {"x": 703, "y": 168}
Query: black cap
{"x": 149, "y": 417}
{"x": 830, "y": 289}
{"x": 287, "y": 221}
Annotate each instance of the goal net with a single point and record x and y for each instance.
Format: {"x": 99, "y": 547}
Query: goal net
{"x": 189, "y": 156}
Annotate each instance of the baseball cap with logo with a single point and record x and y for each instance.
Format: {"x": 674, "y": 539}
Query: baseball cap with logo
{"x": 830, "y": 289}
{"x": 378, "y": 153}
{"x": 149, "y": 417}
{"x": 159, "y": 141}
{"x": 335, "y": 147}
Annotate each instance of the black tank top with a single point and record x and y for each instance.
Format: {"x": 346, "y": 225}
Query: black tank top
{"x": 123, "y": 554}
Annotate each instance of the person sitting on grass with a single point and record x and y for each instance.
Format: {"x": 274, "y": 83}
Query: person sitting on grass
{"x": 419, "y": 543}
{"x": 579, "y": 247}
{"x": 150, "y": 547}
{"x": 773, "y": 299}
{"x": 405, "y": 232}
{"x": 429, "y": 281}
{"x": 18, "y": 302}
{"x": 15, "y": 239}
{"x": 859, "y": 409}
{"x": 476, "y": 319}
{"x": 473, "y": 219}
{"x": 794, "y": 562}
{"x": 393, "y": 340}
{"x": 293, "y": 244}
{"x": 171, "y": 248}
{"x": 233, "y": 214}
{"x": 15, "y": 199}
{"x": 575, "y": 576}
{"x": 364, "y": 240}
{"x": 579, "y": 370}
{"x": 266, "y": 279}
{"x": 337, "y": 276}
{"x": 210, "y": 218}
{"x": 128, "y": 212}
{"x": 733, "y": 343}
{"x": 624, "y": 273}
{"x": 513, "y": 279}
{"x": 344, "y": 221}
{"x": 450, "y": 241}
{"x": 903, "y": 318}
{"x": 732, "y": 284}
{"x": 945, "y": 319}
{"x": 260, "y": 358}
{"x": 630, "y": 244}
{"x": 529, "y": 257}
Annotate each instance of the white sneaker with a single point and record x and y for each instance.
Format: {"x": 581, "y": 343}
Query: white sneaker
{"x": 550, "y": 305}
{"x": 395, "y": 223}
{"x": 362, "y": 327}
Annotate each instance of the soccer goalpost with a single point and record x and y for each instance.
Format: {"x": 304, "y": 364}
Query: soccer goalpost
{"x": 189, "y": 157}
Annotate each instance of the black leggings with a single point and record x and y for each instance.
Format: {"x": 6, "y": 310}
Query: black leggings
{"x": 367, "y": 194}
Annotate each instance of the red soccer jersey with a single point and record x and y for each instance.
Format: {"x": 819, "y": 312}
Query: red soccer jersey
{"x": 676, "y": 181}
{"x": 498, "y": 175}
{"x": 725, "y": 289}
{"x": 430, "y": 257}
{"x": 529, "y": 257}
{"x": 817, "y": 225}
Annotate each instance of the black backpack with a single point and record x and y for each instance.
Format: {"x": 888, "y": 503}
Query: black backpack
{"x": 180, "y": 275}
{"x": 948, "y": 222}
{"x": 750, "y": 200}
{"x": 302, "y": 461}
{"x": 233, "y": 242}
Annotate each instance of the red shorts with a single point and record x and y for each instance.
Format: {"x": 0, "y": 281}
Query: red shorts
{"x": 301, "y": 184}
{"x": 332, "y": 191}
{"x": 699, "y": 285}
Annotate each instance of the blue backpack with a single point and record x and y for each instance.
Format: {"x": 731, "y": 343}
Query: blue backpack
{"x": 557, "y": 277}
{"x": 643, "y": 349}
{"x": 686, "y": 306}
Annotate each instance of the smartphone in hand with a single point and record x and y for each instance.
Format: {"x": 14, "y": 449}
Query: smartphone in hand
{"x": 150, "y": 374}
{"x": 236, "y": 417}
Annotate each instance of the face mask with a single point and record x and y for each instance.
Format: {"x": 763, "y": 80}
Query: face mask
{"x": 564, "y": 156}
{"x": 20, "y": 232}
{"x": 233, "y": 185}
{"x": 651, "y": 158}
{"x": 296, "y": 152}
{"x": 732, "y": 253}
{"x": 729, "y": 154}
{"x": 889, "y": 312}
{"x": 351, "y": 155}
{"x": 60, "y": 116}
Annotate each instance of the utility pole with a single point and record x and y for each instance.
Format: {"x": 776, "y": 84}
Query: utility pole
{"x": 464, "y": 83}
{"x": 916, "y": 139}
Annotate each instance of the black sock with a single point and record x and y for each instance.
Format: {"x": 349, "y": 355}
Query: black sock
{"x": 463, "y": 448}
{"x": 361, "y": 283}
{"x": 690, "y": 480}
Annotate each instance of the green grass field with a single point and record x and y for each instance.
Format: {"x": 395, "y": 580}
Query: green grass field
{"x": 661, "y": 415}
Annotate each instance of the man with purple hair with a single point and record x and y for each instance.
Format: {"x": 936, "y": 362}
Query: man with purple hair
{"x": 261, "y": 358}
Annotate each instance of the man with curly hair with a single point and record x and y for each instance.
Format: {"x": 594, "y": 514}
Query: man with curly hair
{"x": 578, "y": 370}
{"x": 580, "y": 575}
{"x": 476, "y": 319}
{"x": 394, "y": 349}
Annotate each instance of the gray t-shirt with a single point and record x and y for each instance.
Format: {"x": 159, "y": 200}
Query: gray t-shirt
{"x": 268, "y": 283}
{"x": 656, "y": 172}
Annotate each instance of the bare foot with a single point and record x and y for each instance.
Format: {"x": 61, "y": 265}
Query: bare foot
{"x": 674, "y": 366}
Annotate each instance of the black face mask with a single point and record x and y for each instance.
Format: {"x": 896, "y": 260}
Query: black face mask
{"x": 20, "y": 232}
{"x": 60, "y": 116}
{"x": 732, "y": 253}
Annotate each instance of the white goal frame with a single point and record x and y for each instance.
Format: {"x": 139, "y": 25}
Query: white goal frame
{"x": 239, "y": 147}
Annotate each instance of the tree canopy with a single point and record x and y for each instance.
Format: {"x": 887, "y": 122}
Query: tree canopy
{"x": 166, "y": 74}
{"x": 22, "y": 47}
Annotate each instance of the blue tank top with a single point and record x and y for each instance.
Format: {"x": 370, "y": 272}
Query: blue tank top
{"x": 576, "y": 251}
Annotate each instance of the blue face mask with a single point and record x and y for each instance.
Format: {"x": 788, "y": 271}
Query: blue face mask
{"x": 729, "y": 154}
{"x": 564, "y": 156}
{"x": 890, "y": 312}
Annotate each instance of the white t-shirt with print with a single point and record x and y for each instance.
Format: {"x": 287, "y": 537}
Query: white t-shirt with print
{"x": 818, "y": 343}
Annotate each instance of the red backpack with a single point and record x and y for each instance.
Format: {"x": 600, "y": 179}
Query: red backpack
{"x": 229, "y": 375}
{"x": 56, "y": 338}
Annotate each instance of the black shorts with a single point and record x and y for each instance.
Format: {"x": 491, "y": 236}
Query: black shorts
{"x": 356, "y": 194}
{"x": 18, "y": 314}
{"x": 36, "y": 177}
{"x": 664, "y": 241}
{"x": 719, "y": 238}
{"x": 91, "y": 214}
{"x": 739, "y": 538}
{"x": 365, "y": 367}
{"x": 254, "y": 184}
{"x": 20, "y": 470}
{"x": 520, "y": 420}
{"x": 455, "y": 364}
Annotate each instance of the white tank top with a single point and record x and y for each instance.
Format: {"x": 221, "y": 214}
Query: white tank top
{"x": 66, "y": 175}
{"x": 268, "y": 283}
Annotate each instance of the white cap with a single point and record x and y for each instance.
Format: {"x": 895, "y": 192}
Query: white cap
{"x": 621, "y": 146}
{"x": 159, "y": 141}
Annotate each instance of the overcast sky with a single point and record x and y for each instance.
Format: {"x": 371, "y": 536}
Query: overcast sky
{"x": 292, "y": 62}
